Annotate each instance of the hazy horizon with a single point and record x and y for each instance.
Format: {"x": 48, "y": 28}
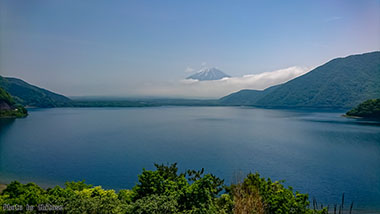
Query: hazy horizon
{"x": 147, "y": 49}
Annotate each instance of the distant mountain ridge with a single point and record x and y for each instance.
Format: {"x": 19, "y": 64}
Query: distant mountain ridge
{"x": 340, "y": 83}
{"x": 206, "y": 74}
{"x": 30, "y": 95}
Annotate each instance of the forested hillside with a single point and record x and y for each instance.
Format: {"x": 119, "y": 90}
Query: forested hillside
{"x": 368, "y": 109}
{"x": 340, "y": 83}
{"x": 8, "y": 107}
{"x": 29, "y": 95}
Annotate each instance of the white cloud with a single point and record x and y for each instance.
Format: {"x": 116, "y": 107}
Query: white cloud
{"x": 225, "y": 86}
{"x": 189, "y": 70}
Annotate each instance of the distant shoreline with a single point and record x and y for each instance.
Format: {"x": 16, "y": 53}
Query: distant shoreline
{"x": 353, "y": 117}
{"x": 369, "y": 119}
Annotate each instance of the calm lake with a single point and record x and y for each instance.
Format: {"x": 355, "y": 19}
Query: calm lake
{"x": 320, "y": 153}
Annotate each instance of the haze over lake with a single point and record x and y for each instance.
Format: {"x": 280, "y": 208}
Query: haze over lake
{"x": 320, "y": 153}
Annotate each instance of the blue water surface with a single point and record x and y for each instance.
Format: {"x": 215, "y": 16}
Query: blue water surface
{"x": 320, "y": 153}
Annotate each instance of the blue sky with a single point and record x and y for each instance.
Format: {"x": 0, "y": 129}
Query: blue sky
{"x": 131, "y": 48}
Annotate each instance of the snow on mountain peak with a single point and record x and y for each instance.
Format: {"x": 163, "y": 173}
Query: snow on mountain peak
{"x": 206, "y": 73}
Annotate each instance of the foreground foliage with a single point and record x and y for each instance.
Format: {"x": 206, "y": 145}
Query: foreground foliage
{"x": 164, "y": 190}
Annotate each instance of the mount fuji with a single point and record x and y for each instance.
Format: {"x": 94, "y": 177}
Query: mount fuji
{"x": 208, "y": 74}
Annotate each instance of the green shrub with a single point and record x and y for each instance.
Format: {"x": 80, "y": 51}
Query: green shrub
{"x": 164, "y": 190}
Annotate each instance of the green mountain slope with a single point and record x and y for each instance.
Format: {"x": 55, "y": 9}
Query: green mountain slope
{"x": 246, "y": 96}
{"x": 367, "y": 109}
{"x": 340, "y": 83}
{"x": 8, "y": 108}
{"x": 5, "y": 97}
{"x": 30, "y": 95}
